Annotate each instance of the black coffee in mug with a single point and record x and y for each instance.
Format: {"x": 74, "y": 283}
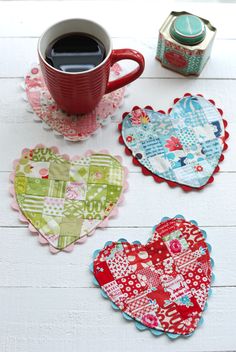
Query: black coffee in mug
{"x": 75, "y": 52}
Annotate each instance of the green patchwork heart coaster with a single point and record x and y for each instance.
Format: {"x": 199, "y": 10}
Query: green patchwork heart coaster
{"x": 64, "y": 199}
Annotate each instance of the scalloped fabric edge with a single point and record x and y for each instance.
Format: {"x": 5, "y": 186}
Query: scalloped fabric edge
{"x": 159, "y": 179}
{"x": 139, "y": 326}
{"x": 103, "y": 123}
{"x": 104, "y": 223}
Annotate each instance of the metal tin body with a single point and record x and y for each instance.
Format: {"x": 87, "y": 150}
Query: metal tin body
{"x": 185, "y": 59}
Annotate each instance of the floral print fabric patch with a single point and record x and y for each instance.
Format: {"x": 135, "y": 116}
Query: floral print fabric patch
{"x": 184, "y": 146}
{"x": 163, "y": 285}
{"x": 73, "y": 128}
{"x": 64, "y": 199}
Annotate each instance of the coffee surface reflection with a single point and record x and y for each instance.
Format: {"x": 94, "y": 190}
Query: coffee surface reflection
{"x": 75, "y": 52}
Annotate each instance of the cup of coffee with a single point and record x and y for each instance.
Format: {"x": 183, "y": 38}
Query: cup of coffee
{"x": 75, "y": 58}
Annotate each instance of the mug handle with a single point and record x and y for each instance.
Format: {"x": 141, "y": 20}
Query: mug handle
{"x": 125, "y": 54}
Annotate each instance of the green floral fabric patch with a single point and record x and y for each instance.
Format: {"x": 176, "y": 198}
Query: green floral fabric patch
{"x": 66, "y": 200}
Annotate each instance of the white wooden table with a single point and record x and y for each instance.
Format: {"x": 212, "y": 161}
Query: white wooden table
{"x": 48, "y": 302}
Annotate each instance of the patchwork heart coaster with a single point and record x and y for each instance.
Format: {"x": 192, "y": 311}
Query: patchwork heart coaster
{"x": 164, "y": 285}
{"x": 64, "y": 200}
{"x": 73, "y": 128}
{"x": 183, "y": 147}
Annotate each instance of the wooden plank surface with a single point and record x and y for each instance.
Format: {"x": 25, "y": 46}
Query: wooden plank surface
{"x": 120, "y": 18}
{"x": 72, "y": 319}
{"x": 40, "y": 269}
{"x": 47, "y": 302}
{"x": 15, "y": 120}
{"x": 25, "y": 53}
{"x": 205, "y": 206}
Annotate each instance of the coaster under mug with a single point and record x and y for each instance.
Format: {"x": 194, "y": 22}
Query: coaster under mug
{"x": 72, "y": 127}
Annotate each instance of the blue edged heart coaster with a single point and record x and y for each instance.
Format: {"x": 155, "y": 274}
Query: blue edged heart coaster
{"x": 163, "y": 285}
{"x": 182, "y": 147}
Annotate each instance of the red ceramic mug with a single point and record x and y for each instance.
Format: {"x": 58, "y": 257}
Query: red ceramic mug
{"x": 80, "y": 92}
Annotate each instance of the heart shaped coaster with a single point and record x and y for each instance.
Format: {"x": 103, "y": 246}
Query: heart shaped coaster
{"x": 64, "y": 200}
{"x": 183, "y": 147}
{"x": 73, "y": 128}
{"x": 163, "y": 285}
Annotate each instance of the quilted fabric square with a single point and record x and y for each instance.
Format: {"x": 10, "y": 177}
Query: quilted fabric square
{"x": 65, "y": 200}
{"x": 182, "y": 147}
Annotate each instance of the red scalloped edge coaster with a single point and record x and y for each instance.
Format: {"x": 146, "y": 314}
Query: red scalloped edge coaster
{"x": 102, "y": 225}
{"x": 159, "y": 179}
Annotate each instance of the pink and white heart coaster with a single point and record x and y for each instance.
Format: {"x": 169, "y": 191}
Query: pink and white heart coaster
{"x": 72, "y": 127}
{"x": 64, "y": 199}
{"x": 162, "y": 286}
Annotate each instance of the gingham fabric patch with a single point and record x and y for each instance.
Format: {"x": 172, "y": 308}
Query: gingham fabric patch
{"x": 183, "y": 146}
{"x": 66, "y": 200}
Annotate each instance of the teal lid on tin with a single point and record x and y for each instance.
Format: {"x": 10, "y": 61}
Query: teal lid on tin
{"x": 188, "y": 30}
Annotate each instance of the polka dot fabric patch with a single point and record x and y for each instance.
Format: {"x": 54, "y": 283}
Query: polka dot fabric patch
{"x": 183, "y": 147}
{"x": 163, "y": 285}
{"x": 64, "y": 199}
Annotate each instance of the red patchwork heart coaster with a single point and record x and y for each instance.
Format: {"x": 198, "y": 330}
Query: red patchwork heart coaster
{"x": 163, "y": 285}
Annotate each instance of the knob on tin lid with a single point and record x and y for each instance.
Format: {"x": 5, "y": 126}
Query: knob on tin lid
{"x": 188, "y": 30}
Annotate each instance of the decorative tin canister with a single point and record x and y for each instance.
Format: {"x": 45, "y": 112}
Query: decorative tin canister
{"x": 185, "y": 43}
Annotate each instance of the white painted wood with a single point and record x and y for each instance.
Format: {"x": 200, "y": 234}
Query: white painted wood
{"x": 80, "y": 320}
{"x": 161, "y": 94}
{"x": 143, "y": 206}
{"x": 121, "y": 18}
{"x": 25, "y": 53}
{"x": 47, "y": 302}
{"x": 16, "y": 121}
{"x": 31, "y": 133}
{"x": 24, "y": 262}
